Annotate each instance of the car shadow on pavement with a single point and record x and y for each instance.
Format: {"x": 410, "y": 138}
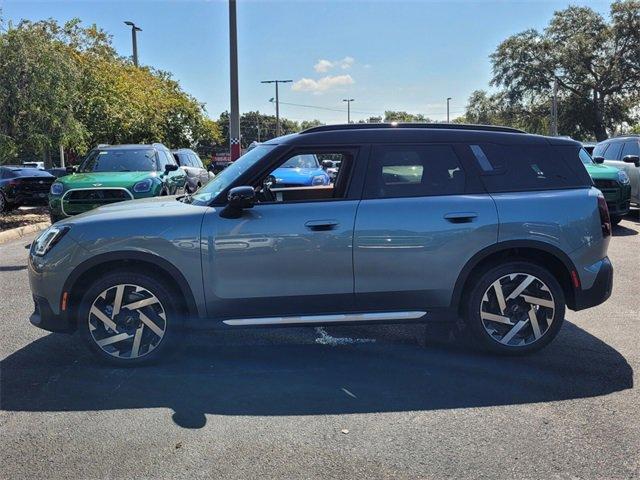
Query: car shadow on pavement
{"x": 259, "y": 372}
{"x": 621, "y": 231}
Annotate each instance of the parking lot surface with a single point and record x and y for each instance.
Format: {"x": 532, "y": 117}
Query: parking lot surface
{"x": 326, "y": 403}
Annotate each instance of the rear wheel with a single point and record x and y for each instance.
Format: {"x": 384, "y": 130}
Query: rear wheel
{"x": 615, "y": 219}
{"x": 129, "y": 318}
{"x": 4, "y": 206}
{"x": 515, "y": 308}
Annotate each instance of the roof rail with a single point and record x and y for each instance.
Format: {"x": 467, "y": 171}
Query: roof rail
{"x": 625, "y": 135}
{"x": 440, "y": 126}
{"x": 102, "y": 145}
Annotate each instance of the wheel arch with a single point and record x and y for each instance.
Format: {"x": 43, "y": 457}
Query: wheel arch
{"x": 145, "y": 262}
{"x": 541, "y": 253}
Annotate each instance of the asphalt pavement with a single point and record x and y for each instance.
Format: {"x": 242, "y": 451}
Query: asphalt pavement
{"x": 341, "y": 402}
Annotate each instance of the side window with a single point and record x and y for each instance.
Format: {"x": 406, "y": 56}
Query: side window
{"x": 600, "y": 149}
{"x": 195, "y": 161}
{"x": 413, "y": 171}
{"x": 307, "y": 176}
{"x": 631, "y": 148}
{"x": 185, "y": 160}
{"x": 163, "y": 159}
{"x": 526, "y": 167}
{"x": 614, "y": 151}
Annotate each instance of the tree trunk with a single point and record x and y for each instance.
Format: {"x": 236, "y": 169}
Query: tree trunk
{"x": 599, "y": 128}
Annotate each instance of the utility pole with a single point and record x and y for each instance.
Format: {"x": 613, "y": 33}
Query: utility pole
{"x": 277, "y": 102}
{"x": 554, "y": 109}
{"x": 234, "y": 117}
{"x": 348, "y": 100}
{"x": 134, "y": 40}
{"x": 448, "y": 100}
{"x": 62, "y": 156}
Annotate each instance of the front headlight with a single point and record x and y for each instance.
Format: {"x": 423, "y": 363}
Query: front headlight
{"x": 623, "y": 178}
{"x": 143, "y": 186}
{"x": 319, "y": 180}
{"x": 48, "y": 239}
{"x": 56, "y": 189}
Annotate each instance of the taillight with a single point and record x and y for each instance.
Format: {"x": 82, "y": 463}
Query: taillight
{"x": 605, "y": 219}
{"x": 15, "y": 182}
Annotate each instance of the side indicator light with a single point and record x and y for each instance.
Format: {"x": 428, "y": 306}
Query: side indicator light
{"x": 575, "y": 279}
{"x": 63, "y": 303}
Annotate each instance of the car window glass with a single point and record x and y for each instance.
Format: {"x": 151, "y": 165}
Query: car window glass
{"x": 528, "y": 167}
{"x": 119, "y": 160}
{"x": 306, "y": 176}
{"x": 162, "y": 160}
{"x": 185, "y": 160}
{"x": 195, "y": 161}
{"x": 613, "y": 152}
{"x": 631, "y": 148}
{"x": 417, "y": 170}
{"x": 600, "y": 149}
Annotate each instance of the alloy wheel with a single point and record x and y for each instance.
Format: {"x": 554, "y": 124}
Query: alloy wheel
{"x": 127, "y": 321}
{"x": 517, "y": 309}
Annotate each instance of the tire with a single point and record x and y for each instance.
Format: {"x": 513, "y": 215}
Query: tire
{"x": 147, "y": 333}
{"x": 509, "y": 328}
{"x": 4, "y": 205}
{"x": 615, "y": 219}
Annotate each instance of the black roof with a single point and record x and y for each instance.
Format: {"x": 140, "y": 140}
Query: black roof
{"x": 622, "y": 138}
{"x": 414, "y": 133}
{"x": 129, "y": 146}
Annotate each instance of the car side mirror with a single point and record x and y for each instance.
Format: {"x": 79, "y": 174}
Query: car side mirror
{"x": 239, "y": 198}
{"x": 70, "y": 169}
{"x": 170, "y": 167}
{"x": 635, "y": 159}
{"x": 598, "y": 159}
{"x": 327, "y": 164}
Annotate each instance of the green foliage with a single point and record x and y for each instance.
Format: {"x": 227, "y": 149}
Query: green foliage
{"x": 403, "y": 117}
{"x": 595, "y": 63}
{"x": 65, "y": 85}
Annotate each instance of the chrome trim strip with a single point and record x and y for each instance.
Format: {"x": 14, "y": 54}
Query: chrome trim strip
{"x": 350, "y": 317}
{"x": 96, "y": 188}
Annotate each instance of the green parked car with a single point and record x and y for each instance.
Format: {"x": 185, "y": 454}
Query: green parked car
{"x": 613, "y": 183}
{"x": 115, "y": 173}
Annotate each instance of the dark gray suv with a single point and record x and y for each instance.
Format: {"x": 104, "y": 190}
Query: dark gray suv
{"x": 424, "y": 223}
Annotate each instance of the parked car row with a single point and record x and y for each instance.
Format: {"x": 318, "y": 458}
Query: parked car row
{"x": 423, "y": 223}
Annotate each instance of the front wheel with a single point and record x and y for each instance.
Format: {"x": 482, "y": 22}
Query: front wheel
{"x": 129, "y": 318}
{"x": 515, "y": 308}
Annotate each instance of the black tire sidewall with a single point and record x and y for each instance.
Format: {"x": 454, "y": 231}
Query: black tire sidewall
{"x": 482, "y": 282}
{"x": 173, "y": 321}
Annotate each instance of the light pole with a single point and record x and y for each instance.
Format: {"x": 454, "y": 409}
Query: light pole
{"x": 134, "y": 40}
{"x": 554, "y": 109}
{"x": 234, "y": 116}
{"x": 448, "y": 100}
{"x": 277, "y": 102}
{"x": 348, "y": 100}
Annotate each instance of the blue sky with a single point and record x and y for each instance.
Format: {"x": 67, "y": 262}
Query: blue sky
{"x": 387, "y": 55}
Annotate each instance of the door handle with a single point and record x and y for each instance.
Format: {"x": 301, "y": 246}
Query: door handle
{"x": 460, "y": 217}
{"x": 319, "y": 225}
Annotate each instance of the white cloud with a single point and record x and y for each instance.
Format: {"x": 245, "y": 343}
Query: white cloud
{"x": 323, "y": 84}
{"x": 347, "y": 62}
{"x": 323, "y": 66}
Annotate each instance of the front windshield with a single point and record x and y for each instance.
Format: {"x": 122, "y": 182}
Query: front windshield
{"x": 301, "y": 161}
{"x": 126, "y": 160}
{"x": 585, "y": 157}
{"x": 225, "y": 178}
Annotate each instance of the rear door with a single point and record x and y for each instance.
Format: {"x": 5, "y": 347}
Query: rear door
{"x": 422, "y": 217}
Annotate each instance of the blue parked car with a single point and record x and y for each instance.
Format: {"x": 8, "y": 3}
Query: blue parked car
{"x": 300, "y": 171}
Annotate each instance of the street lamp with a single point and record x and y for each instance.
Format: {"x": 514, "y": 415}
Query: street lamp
{"x": 134, "y": 29}
{"x": 448, "y": 100}
{"x": 348, "y": 100}
{"x": 277, "y": 102}
{"x": 234, "y": 115}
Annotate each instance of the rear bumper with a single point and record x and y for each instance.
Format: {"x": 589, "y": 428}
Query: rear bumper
{"x": 601, "y": 289}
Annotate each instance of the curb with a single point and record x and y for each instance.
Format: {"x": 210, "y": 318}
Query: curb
{"x": 16, "y": 233}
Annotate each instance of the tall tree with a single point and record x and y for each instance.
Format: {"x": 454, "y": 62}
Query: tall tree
{"x": 595, "y": 62}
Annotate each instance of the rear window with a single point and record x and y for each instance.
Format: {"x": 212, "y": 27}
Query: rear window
{"x": 530, "y": 167}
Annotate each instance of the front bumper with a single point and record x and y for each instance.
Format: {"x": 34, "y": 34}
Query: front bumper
{"x": 43, "y": 317}
{"x": 601, "y": 289}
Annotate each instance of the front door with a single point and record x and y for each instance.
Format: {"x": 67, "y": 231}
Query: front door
{"x": 290, "y": 255}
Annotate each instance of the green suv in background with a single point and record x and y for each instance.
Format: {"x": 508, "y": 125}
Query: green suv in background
{"x": 613, "y": 183}
{"x": 115, "y": 173}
